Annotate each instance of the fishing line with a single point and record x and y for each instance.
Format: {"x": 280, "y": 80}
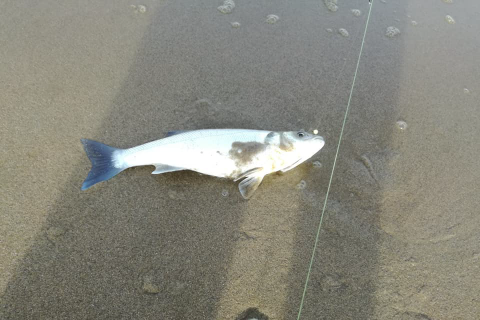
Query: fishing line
{"x": 334, "y": 164}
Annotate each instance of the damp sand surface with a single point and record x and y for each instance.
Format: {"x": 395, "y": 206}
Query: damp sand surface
{"x": 399, "y": 237}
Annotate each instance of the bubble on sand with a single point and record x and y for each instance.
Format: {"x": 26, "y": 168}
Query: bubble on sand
{"x": 271, "y": 18}
{"x": 332, "y": 282}
{"x": 449, "y": 19}
{"x": 465, "y": 90}
{"x": 54, "y": 233}
{"x": 448, "y": 1}
{"x": 402, "y": 125}
{"x": 331, "y": 5}
{"x": 139, "y": 8}
{"x": 301, "y": 185}
{"x": 414, "y": 23}
{"x": 329, "y": 30}
{"x": 356, "y": 12}
{"x": 392, "y": 32}
{"x": 235, "y": 24}
{"x": 227, "y": 7}
{"x": 172, "y": 194}
{"x": 343, "y": 32}
{"x": 225, "y": 193}
{"x": 317, "y": 164}
{"x": 315, "y": 131}
{"x": 149, "y": 286}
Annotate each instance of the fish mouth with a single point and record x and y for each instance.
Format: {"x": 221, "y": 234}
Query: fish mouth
{"x": 320, "y": 140}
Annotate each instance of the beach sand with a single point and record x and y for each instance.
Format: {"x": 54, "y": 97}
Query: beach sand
{"x": 399, "y": 237}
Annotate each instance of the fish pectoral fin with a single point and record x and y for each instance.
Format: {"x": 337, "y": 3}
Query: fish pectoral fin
{"x": 249, "y": 173}
{"x": 293, "y": 165}
{"x": 253, "y": 178}
{"x": 162, "y": 168}
{"x": 248, "y": 186}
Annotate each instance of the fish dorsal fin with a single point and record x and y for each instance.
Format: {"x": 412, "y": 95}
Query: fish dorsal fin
{"x": 162, "y": 168}
{"x": 174, "y": 133}
{"x": 253, "y": 178}
{"x": 272, "y": 137}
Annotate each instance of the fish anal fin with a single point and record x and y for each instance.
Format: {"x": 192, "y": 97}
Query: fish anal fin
{"x": 163, "y": 168}
{"x": 248, "y": 186}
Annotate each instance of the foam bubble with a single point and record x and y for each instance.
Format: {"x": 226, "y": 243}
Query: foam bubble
{"x": 449, "y": 19}
{"x": 465, "y": 90}
{"x": 227, "y": 7}
{"x": 317, "y": 164}
{"x": 329, "y": 30}
{"x": 448, "y": 1}
{"x": 271, "y": 18}
{"x": 301, "y": 185}
{"x": 392, "y": 32}
{"x": 402, "y": 125}
{"x": 236, "y": 24}
{"x": 139, "y": 8}
{"x": 356, "y": 12}
{"x": 225, "y": 193}
{"x": 343, "y": 32}
{"x": 315, "y": 131}
{"x": 331, "y": 5}
{"x": 414, "y": 23}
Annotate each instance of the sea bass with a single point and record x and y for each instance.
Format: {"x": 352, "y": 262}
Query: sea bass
{"x": 238, "y": 154}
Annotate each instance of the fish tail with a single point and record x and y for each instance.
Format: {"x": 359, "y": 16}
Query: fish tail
{"x": 103, "y": 163}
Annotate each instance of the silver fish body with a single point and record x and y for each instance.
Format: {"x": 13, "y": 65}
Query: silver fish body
{"x": 227, "y": 153}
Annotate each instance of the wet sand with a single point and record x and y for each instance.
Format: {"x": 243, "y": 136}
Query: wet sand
{"x": 399, "y": 238}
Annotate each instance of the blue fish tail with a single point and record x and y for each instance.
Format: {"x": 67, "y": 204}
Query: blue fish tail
{"x": 101, "y": 157}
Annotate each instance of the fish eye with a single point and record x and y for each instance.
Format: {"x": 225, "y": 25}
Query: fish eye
{"x": 300, "y": 134}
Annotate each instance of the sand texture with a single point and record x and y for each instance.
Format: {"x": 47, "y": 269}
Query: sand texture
{"x": 401, "y": 231}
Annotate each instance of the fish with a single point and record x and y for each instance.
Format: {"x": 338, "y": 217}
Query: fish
{"x": 237, "y": 154}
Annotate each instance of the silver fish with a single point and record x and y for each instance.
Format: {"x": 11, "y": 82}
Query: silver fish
{"x": 238, "y": 154}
